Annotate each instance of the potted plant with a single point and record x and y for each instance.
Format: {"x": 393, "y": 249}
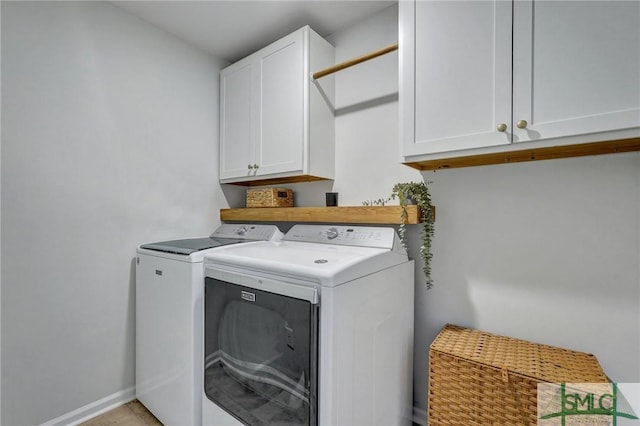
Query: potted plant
{"x": 417, "y": 193}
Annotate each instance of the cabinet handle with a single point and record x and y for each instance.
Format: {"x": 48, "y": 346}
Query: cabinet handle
{"x": 255, "y": 166}
{"x": 522, "y": 124}
{"x": 502, "y": 127}
{"x": 250, "y": 167}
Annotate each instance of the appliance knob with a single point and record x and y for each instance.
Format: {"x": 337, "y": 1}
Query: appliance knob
{"x": 332, "y": 233}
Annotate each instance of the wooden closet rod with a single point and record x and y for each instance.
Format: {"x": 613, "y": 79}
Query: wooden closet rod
{"x": 354, "y": 61}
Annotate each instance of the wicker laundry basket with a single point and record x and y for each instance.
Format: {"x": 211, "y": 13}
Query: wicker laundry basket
{"x": 478, "y": 378}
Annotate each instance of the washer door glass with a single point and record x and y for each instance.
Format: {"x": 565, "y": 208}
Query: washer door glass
{"x": 260, "y": 354}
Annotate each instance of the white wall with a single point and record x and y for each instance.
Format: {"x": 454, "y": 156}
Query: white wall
{"x": 546, "y": 251}
{"x": 106, "y": 139}
{"x": 367, "y": 156}
{"x": 109, "y": 133}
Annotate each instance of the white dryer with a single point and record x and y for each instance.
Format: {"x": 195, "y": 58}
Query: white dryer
{"x": 169, "y": 318}
{"x": 316, "y": 329}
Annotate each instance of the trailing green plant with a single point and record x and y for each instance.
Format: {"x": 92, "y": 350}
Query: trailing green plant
{"x": 417, "y": 193}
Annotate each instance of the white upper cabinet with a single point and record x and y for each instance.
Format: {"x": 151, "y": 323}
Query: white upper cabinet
{"x": 458, "y": 83}
{"x": 576, "y": 67}
{"x": 274, "y": 122}
{"x": 493, "y": 74}
{"x": 236, "y": 119}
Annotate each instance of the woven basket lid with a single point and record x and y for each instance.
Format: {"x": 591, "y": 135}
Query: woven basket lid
{"x": 542, "y": 362}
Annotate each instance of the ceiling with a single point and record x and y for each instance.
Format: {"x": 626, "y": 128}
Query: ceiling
{"x": 232, "y": 29}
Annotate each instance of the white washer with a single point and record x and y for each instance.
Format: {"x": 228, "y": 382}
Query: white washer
{"x": 316, "y": 329}
{"x": 169, "y": 318}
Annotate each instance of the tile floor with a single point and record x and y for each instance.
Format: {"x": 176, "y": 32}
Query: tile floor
{"x": 129, "y": 414}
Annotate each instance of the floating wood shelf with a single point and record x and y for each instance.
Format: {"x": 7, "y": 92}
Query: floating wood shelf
{"x": 354, "y": 214}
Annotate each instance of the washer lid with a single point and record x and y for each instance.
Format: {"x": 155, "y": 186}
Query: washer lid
{"x": 190, "y": 245}
{"x": 226, "y": 234}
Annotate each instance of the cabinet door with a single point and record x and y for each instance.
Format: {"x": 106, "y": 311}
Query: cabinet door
{"x": 237, "y": 120}
{"x": 283, "y": 105}
{"x": 460, "y": 74}
{"x": 576, "y": 67}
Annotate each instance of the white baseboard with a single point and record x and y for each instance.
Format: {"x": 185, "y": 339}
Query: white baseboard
{"x": 94, "y": 409}
{"x": 419, "y": 416}
{"x": 117, "y": 399}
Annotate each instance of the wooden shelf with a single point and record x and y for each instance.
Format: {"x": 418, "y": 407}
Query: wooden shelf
{"x": 533, "y": 154}
{"x": 353, "y": 214}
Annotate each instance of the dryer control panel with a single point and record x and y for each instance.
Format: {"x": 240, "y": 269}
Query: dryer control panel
{"x": 360, "y": 236}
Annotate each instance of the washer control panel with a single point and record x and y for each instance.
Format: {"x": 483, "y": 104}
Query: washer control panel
{"x": 362, "y": 236}
{"x": 247, "y": 232}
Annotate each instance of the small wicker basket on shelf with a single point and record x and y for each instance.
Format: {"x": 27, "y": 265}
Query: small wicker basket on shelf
{"x": 270, "y": 197}
{"x": 479, "y": 379}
